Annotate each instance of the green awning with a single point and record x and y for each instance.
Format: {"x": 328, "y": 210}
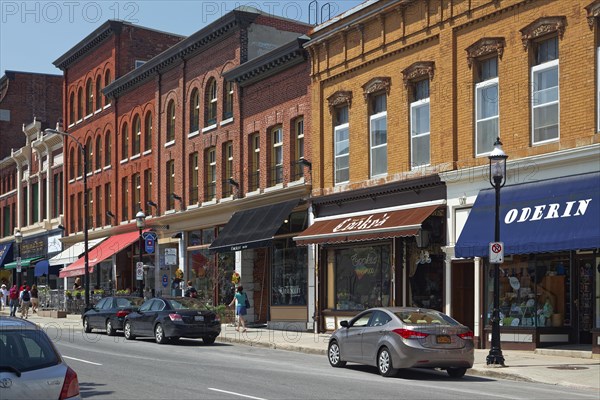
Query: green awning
{"x": 25, "y": 262}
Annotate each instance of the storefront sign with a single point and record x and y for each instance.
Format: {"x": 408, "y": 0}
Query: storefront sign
{"x": 547, "y": 211}
{"x": 361, "y": 223}
{"x": 170, "y": 256}
{"x": 362, "y": 264}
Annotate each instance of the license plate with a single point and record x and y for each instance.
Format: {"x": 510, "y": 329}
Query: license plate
{"x": 199, "y": 318}
{"x": 444, "y": 339}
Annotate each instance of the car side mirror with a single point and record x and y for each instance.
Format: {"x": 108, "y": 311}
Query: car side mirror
{"x": 344, "y": 324}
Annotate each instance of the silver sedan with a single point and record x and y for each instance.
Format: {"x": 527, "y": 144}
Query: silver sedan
{"x": 401, "y": 337}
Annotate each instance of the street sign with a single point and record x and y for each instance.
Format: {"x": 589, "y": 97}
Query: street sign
{"x": 496, "y": 252}
{"x": 150, "y": 235}
{"x": 19, "y": 264}
{"x": 139, "y": 271}
{"x": 149, "y": 245}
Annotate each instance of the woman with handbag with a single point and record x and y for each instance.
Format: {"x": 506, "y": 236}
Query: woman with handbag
{"x": 241, "y": 309}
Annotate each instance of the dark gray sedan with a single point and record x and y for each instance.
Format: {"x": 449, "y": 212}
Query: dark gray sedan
{"x": 399, "y": 337}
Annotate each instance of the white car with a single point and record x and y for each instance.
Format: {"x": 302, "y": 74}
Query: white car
{"x": 30, "y": 365}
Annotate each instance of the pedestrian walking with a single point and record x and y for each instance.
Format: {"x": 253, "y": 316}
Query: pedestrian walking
{"x": 4, "y": 300}
{"x": 241, "y": 308}
{"x": 25, "y": 302}
{"x": 34, "y": 299}
{"x": 13, "y": 296}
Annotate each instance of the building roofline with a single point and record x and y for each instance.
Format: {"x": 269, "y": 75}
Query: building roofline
{"x": 13, "y": 72}
{"x": 277, "y": 60}
{"x": 182, "y": 50}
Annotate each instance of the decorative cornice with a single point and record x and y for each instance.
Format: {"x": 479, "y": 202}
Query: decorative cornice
{"x": 541, "y": 27}
{"x": 376, "y": 85}
{"x": 338, "y": 98}
{"x": 593, "y": 11}
{"x": 418, "y": 70}
{"x": 483, "y": 47}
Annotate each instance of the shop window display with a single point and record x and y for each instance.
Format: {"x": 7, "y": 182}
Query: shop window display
{"x": 426, "y": 282}
{"x": 290, "y": 274}
{"x": 534, "y": 291}
{"x": 362, "y": 277}
{"x": 210, "y": 275}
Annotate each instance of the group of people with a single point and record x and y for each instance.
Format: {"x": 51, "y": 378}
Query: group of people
{"x": 22, "y": 298}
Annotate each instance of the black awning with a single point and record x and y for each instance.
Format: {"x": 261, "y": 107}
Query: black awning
{"x": 252, "y": 228}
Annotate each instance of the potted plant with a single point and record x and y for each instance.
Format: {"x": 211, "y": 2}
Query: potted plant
{"x": 69, "y": 294}
{"x": 78, "y": 294}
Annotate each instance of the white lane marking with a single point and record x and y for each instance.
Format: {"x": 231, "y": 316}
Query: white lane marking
{"x": 84, "y": 361}
{"x": 236, "y": 394}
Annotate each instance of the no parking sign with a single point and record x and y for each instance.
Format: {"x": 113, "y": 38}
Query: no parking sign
{"x": 496, "y": 252}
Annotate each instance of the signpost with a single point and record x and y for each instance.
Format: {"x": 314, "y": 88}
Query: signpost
{"x": 19, "y": 265}
{"x": 139, "y": 271}
{"x": 496, "y": 252}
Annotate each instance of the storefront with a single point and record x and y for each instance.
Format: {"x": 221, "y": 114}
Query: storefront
{"x": 6, "y": 254}
{"x": 550, "y": 278}
{"x": 389, "y": 255}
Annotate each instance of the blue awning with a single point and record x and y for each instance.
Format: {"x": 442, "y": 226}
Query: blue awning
{"x": 44, "y": 268}
{"x": 544, "y": 216}
{"x": 5, "y": 249}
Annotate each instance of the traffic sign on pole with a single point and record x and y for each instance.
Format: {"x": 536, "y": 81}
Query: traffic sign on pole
{"x": 19, "y": 264}
{"x": 496, "y": 252}
{"x": 139, "y": 271}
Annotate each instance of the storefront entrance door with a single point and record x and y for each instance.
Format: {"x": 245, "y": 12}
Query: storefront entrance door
{"x": 584, "y": 299}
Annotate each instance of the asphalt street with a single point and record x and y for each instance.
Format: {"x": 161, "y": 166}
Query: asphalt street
{"x": 114, "y": 368}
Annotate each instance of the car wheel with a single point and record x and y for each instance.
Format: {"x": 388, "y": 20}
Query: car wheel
{"x": 86, "y": 325}
{"x": 109, "y": 328}
{"x": 456, "y": 372}
{"x": 127, "y": 331}
{"x": 333, "y": 353}
{"x": 384, "y": 363}
{"x": 208, "y": 339}
{"x": 159, "y": 334}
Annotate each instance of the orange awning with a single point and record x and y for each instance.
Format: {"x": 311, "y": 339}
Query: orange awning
{"x": 366, "y": 226}
{"x": 107, "y": 248}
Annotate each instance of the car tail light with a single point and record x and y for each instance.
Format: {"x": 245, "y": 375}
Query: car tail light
{"x": 467, "y": 335}
{"x": 71, "y": 386}
{"x": 408, "y": 334}
{"x": 122, "y": 313}
{"x": 175, "y": 317}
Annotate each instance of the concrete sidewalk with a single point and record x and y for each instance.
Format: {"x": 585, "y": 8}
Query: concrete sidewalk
{"x": 556, "y": 367}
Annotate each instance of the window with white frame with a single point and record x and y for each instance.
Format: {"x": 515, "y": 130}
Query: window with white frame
{"x": 210, "y": 103}
{"x": 254, "y": 177}
{"x": 378, "y": 134}
{"x": 486, "y": 106}
{"x": 341, "y": 145}
{"x": 124, "y": 142}
{"x": 194, "y": 111}
{"x": 277, "y": 155}
{"x": 545, "y": 94}
{"x": 419, "y": 125}
{"x": 137, "y": 134}
{"x": 211, "y": 174}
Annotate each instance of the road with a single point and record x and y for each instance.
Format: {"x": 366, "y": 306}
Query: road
{"x": 114, "y": 368}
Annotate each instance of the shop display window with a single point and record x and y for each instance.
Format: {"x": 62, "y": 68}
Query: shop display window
{"x": 534, "y": 291}
{"x": 362, "y": 277}
{"x": 426, "y": 283}
{"x": 290, "y": 274}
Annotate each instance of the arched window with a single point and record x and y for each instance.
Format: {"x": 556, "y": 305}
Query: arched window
{"x": 107, "y": 80}
{"x": 228, "y": 101}
{"x": 107, "y": 149}
{"x": 72, "y": 164}
{"x": 148, "y": 132}
{"x": 80, "y": 104}
{"x": 171, "y": 121}
{"x": 79, "y": 164}
{"x": 98, "y": 93}
{"x": 137, "y": 134}
{"x": 72, "y": 108}
{"x": 194, "y": 111}
{"x": 98, "y": 161}
{"x": 90, "y": 153}
{"x": 124, "y": 142}
{"x": 210, "y": 103}
{"x": 89, "y": 97}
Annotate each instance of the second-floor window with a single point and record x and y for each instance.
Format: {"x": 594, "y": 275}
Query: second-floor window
{"x": 80, "y": 101}
{"x": 210, "y": 175}
{"x": 107, "y": 201}
{"x": 194, "y": 111}
{"x": 137, "y": 134}
{"x": 545, "y": 96}
{"x": 98, "y": 206}
{"x": 148, "y": 187}
{"x": 72, "y": 108}
{"x": 98, "y": 158}
{"x": 254, "y": 178}
{"x": 148, "y": 132}
{"x": 228, "y": 101}
{"x": 299, "y": 131}
{"x": 193, "y": 178}
{"x": 228, "y": 163}
{"x": 125, "y": 199}
{"x": 486, "y": 106}
{"x": 98, "y": 95}
{"x": 170, "y": 201}
{"x": 210, "y": 103}
{"x": 89, "y": 97}
{"x": 341, "y": 145}
{"x": 378, "y": 134}
{"x": 107, "y": 149}
{"x": 124, "y": 142}
{"x": 277, "y": 155}
{"x": 419, "y": 125}
{"x": 137, "y": 192}
{"x": 170, "y": 121}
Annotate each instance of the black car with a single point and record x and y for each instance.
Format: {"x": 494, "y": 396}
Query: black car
{"x": 109, "y": 313}
{"x": 169, "y": 318}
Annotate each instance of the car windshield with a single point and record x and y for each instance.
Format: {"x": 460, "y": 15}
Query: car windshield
{"x": 186, "y": 303}
{"x": 129, "y": 301}
{"x": 425, "y": 317}
{"x": 26, "y": 350}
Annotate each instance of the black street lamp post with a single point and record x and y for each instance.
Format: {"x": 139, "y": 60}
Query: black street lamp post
{"x": 140, "y": 220}
{"x": 83, "y": 150}
{"x": 497, "y": 179}
{"x": 18, "y": 241}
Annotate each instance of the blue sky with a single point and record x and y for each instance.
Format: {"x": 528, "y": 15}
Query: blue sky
{"x": 35, "y": 33}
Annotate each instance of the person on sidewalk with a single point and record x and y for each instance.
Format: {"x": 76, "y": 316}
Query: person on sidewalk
{"x": 240, "y": 310}
{"x": 13, "y": 296}
{"x": 190, "y": 291}
{"x": 4, "y": 300}
{"x": 25, "y": 302}
{"x": 34, "y": 298}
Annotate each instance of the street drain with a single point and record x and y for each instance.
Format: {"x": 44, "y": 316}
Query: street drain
{"x": 569, "y": 367}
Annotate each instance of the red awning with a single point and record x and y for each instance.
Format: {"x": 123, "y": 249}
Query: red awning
{"x": 107, "y": 248}
{"x": 355, "y": 228}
